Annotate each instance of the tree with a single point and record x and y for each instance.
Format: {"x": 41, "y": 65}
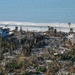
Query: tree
{"x": 0, "y": 47}
{"x": 69, "y": 24}
{"x": 26, "y": 50}
{"x": 55, "y": 32}
{"x": 41, "y": 69}
{"x": 71, "y": 29}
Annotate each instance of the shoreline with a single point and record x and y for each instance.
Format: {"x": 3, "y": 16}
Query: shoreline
{"x": 57, "y": 24}
{"x": 63, "y": 27}
{"x": 36, "y": 28}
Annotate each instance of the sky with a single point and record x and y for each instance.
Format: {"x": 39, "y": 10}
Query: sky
{"x": 38, "y": 11}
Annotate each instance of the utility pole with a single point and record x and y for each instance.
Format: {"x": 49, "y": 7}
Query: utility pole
{"x": 60, "y": 29}
{"x": 21, "y": 29}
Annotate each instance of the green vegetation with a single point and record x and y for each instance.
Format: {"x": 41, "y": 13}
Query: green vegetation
{"x": 70, "y": 55}
{"x": 13, "y": 65}
{"x": 1, "y": 73}
{"x": 41, "y": 69}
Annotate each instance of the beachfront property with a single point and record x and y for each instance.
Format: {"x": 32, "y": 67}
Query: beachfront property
{"x": 37, "y": 37}
{"x": 35, "y": 51}
{"x": 4, "y": 32}
{"x": 71, "y": 38}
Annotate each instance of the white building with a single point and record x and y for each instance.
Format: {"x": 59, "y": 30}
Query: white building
{"x": 71, "y": 37}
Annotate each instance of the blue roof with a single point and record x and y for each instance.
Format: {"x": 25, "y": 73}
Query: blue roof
{"x": 4, "y": 32}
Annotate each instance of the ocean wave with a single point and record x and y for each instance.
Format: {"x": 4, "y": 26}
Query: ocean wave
{"x": 35, "y": 24}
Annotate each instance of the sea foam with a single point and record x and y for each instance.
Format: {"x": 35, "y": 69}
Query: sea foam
{"x": 37, "y": 26}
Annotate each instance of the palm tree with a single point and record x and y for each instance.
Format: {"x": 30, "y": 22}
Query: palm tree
{"x": 69, "y": 24}
{"x": 71, "y": 29}
{"x": 49, "y": 27}
{"x": 0, "y": 47}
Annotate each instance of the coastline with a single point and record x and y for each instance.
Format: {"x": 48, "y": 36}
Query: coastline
{"x": 64, "y": 27}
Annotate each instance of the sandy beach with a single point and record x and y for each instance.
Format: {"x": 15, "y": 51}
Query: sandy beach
{"x": 36, "y": 26}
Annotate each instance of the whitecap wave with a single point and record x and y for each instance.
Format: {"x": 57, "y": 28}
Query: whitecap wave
{"x": 37, "y": 26}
